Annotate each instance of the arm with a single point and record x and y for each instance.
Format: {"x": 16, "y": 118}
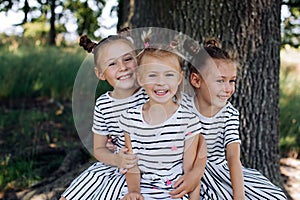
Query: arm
{"x": 192, "y": 174}
{"x": 103, "y": 154}
{"x": 235, "y": 168}
{"x": 132, "y": 175}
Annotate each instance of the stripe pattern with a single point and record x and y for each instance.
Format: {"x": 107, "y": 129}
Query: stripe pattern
{"x": 219, "y": 131}
{"x": 101, "y": 181}
{"x": 159, "y": 148}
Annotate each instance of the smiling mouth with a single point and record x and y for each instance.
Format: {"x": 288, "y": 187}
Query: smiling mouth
{"x": 223, "y": 97}
{"x": 124, "y": 77}
{"x": 161, "y": 92}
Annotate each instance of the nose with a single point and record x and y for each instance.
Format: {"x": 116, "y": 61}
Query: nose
{"x": 160, "y": 80}
{"x": 122, "y": 66}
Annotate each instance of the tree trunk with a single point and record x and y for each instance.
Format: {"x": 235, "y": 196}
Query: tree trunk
{"x": 252, "y": 29}
{"x": 52, "y": 34}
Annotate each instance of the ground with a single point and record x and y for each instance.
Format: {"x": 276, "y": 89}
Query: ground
{"x": 290, "y": 170}
{"x": 50, "y": 189}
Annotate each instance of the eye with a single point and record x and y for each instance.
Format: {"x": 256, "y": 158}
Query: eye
{"x": 111, "y": 64}
{"x": 232, "y": 81}
{"x": 220, "y": 81}
{"x": 170, "y": 74}
{"x": 151, "y": 75}
{"x": 128, "y": 59}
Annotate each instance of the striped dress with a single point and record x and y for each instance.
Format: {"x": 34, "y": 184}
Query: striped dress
{"x": 219, "y": 131}
{"x": 159, "y": 149}
{"x": 101, "y": 181}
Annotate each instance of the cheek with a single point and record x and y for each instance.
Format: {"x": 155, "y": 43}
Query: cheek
{"x": 132, "y": 65}
{"x": 233, "y": 89}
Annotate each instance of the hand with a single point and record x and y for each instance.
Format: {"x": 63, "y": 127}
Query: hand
{"x": 110, "y": 145}
{"x": 125, "y": 160}
{"x": 185, "y": 184}
{"x": 133, "y": 196}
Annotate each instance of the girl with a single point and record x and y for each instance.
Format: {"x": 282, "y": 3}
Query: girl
{"x": 163, "y": 134}
{"x": 115, "y": 61}
{"x": 213, "y": 77}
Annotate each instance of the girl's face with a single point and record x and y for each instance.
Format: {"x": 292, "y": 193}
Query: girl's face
{"x": 217, "y": 84}
{"x": 117, "y": 65}
{"x": 160, "y": 78}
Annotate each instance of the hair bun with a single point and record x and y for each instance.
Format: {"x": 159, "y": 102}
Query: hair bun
{"x": 124, "y": 32}
{"x": 86, "y": 43}
{"x": 212, "y": 42}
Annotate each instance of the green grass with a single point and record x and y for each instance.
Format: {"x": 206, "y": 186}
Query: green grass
{"x": 30, "y": 72}
{"x": 35, "y": 109}
{"x": 23, "y": 133}
{"x": 289, "y": 107}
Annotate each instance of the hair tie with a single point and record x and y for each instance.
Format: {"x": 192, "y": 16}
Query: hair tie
{"x": 146, "y": 44}
{"x": 173, "y": 44}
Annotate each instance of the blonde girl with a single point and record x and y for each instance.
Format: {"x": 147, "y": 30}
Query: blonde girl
{"x": 115, "y": 62}
{"x": 164, "y": 135}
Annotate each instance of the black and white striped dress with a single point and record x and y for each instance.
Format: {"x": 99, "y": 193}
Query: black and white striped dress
{"x": 101, "y": 181}
{"x": 219, "y": 131}
{"x": 159, "y": 149}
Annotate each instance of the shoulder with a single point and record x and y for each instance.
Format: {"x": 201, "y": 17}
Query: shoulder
{"x": 231, "y": 110}
{"x": 186, "y": 101}
{"x": 136, "y": 110}
{"x": 187, "y": 113}
{"x": 103, "y": 101}
{"x": 141, "y": 93}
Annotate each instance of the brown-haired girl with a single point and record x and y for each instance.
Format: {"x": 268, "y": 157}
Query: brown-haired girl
{"x": 213, "y": 74}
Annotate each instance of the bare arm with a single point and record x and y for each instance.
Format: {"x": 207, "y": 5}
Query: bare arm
{"x": 192, "y": 173}
{"x": 132, "y": 175}
{"x": 103, "y": 154}
{"x": 235, "y": 168}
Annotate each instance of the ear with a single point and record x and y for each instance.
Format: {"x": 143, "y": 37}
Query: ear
{"x": 195, "y": 80}
{"x": 99, "y": 74}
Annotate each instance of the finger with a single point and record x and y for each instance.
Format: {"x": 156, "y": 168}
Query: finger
{"x": 176, "y": 191}
{"x": 124, "y": 149}
{"x": 123, "y": 171}
{"x": 178, "y": 182}
{"x": 181, "y": 194}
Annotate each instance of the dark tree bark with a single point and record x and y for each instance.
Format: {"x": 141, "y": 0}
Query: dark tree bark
{"x": 52, "y": 33}
{"x": 252, "y": 29}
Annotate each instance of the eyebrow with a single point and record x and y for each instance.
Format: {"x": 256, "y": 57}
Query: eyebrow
{"x": 113, "y": 59}
{"x": 226, "y": 77}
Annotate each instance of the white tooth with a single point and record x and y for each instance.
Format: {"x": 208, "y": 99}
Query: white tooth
{"x": 124, "y": 77}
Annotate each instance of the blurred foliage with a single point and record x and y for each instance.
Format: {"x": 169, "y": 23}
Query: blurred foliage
{"x": 57, "y": 13}
{"x": 31, "y": 70}
{"x": 36, "y": 106}
{"x": 291, "y": 24}
{"x": 290, "y": 104}
{"x": 85, "y": 15}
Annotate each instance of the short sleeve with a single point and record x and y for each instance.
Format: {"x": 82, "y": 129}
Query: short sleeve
{"x": 124, "y": 122}
{"x": 194, "y": 126}
{"x": 99, "y": 125}
{"x": 232, "y": 128}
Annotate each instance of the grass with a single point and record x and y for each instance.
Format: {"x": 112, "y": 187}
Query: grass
{"x": 290, "y": 103}
{"x": 38, "y": 71}
{"x": 23, "y": 133}
{"x": 35, "y": 109}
